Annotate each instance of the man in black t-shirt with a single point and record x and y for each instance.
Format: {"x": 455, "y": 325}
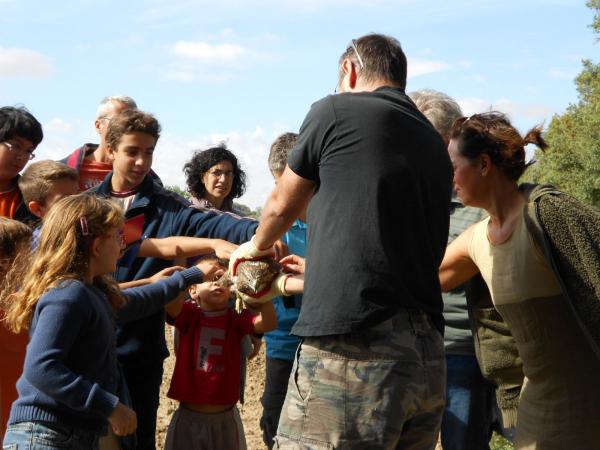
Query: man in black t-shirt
{"x": 371, "y": 367}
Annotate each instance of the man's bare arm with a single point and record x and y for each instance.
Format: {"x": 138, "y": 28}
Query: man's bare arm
{"x": 287, "y": 201}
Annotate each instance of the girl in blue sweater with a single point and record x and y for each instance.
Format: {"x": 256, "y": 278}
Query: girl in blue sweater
{"x": 71, "y": 388}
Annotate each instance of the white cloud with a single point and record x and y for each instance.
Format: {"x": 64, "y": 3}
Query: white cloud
{"x": 16, "y": 62}
{"x": 418, "y": 67}
{"x": 205, "y": 52}
{"x": 533, "y": 111}
{"x": 562, "y": 74}
{"x": 526, "y": 114}
{"x": 58, "y": 125}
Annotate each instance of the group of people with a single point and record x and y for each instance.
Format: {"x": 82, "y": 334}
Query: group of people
{"x": 384, "y": 200}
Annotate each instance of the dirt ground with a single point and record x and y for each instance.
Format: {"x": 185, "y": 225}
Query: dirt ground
{"x": 251, "y": 411}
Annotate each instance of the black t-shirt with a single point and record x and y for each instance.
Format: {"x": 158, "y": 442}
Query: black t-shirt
{"x": 378, "y": 222}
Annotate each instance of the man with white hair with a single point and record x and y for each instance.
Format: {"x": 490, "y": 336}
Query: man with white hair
{"x": 470, "y": 404}
{"x": 91, "y": 161}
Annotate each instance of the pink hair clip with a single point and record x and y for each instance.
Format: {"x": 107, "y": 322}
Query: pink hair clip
{"x": 84, "y": 226}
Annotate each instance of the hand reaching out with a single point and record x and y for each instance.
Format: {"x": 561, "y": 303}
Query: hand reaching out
{"x": 293, "y": 264}
{"x": 223, "y": 249}
{"x": 123, "y": 420}
{"x": 165, "y": 273}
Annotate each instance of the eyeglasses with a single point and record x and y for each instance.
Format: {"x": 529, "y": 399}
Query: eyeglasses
{"x": 358, "y": 57}
{"x": 219, "y": 173}
{"x": 19, "y": 151}
{"x": 360, "y": 61}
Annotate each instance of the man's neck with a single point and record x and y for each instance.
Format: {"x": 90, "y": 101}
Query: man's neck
{"x": 371, "y": 86}
{"x": 100, "y": 154}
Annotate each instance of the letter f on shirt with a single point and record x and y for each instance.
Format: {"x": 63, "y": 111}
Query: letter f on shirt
{"x": 205, "y": 348}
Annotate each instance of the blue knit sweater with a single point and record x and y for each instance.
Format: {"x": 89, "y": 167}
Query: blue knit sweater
{"x": 71, "y": 374}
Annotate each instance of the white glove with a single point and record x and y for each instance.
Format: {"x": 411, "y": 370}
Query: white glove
{"x": 247, "y": 252}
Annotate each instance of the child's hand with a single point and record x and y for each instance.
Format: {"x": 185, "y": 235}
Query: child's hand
{"x": 223, "y": 249}
{"x": 256, "y": 344}
{"x": 293, "y": 264}
{"x": 165, "y": 273}
{"x": 123, "y": 420}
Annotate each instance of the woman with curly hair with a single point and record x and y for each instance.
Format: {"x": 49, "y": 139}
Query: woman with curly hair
{"x": 214, "y": 178}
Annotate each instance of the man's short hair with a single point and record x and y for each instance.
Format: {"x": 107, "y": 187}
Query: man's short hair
{"x": 382, "y": 58}
{"x": 37, "y": 179}
{"x": 131, "y": 121}
{"x": 17, "y": 121}
{"x": 280, "y": 150}
{"x": 440, "y": 109}
{"x": 105, "y": 103}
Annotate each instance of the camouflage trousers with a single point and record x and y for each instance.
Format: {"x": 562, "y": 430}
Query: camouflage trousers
{"x": 383, "y": 388}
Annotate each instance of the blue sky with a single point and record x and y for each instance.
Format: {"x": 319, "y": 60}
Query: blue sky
{"x": 245, "y": 71}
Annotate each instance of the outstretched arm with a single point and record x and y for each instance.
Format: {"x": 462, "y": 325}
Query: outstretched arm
{"x": 457, "y": 266}
{"x": 165, "y": 273}
{"x": 185, "y": 247}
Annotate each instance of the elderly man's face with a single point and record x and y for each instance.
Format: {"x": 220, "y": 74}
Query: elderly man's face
{"x": 113, "y": 108}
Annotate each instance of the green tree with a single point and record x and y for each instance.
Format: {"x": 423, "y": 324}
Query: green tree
{"x": 572, "y": 160}
{"x": 178, "y": 190}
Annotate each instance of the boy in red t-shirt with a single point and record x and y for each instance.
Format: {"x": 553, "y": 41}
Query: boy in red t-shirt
{"x": 206, "y": 380}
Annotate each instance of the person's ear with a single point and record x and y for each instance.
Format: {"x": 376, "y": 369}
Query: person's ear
{"x": 485, "y": 164}
{"x": 111, "y": 152}
{"x": 352, "y": 76}
{"x": 95, "y": 247}
{"x": 350, "y": 72}
{"x": 97, "y": 125}
{"x": 37, "y": 208}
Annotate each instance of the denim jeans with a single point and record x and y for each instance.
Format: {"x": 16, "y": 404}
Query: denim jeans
{"x": 470, "y": 404}
{"x": 42, "y": 436}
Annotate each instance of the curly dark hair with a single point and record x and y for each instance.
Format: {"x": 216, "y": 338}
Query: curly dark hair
{"x": 202, "y": 161}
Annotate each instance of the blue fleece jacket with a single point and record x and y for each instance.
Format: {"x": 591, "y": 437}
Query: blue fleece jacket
{"x": 71, "y": 374}
{"x": 165, "y": 214}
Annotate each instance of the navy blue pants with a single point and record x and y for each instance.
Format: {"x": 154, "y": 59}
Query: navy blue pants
{"x": 144, "y": 383}
{"x": 276, "y": 383}
{"x": 470, "y": 404}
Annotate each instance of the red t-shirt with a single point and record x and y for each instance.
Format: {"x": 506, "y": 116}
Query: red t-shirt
{"x": 92, "y": 173}
{"x": 207, "y": 368}
{"x": 9, "y": 202}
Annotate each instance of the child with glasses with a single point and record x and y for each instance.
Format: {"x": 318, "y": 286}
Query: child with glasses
{"x": 20, "y": 134}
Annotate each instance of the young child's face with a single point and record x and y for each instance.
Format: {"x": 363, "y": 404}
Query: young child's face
{"x": 59, "y": 189}
{"x": 14, "y": 155}
{"x": 108, "y": 251}
{"x": 132, "y": 159}
{"x": 210, "y": 296}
